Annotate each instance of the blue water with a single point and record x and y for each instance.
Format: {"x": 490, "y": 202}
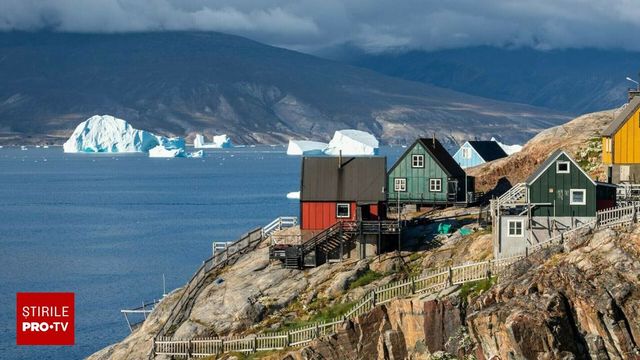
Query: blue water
{"x": 107, "y": 227}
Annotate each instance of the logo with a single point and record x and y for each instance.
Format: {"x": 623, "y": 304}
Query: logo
{"x": 45, "y": 318}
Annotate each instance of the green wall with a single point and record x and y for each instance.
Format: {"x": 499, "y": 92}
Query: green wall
{"x": 418, "y": 178}
{"x": 539, "y": 192}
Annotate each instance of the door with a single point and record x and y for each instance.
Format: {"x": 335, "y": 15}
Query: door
{"x": 452, "y": 190}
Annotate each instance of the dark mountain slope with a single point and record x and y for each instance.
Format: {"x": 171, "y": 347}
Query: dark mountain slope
{"x": 574, "y": 80}
{"x": 183, "y": 82}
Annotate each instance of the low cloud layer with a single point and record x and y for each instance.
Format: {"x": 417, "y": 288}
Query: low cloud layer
{"x": 369, "y": 24}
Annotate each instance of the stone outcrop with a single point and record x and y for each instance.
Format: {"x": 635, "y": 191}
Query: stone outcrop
{"x": 574, "y": 301}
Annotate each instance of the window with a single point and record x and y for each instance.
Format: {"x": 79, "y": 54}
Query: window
{"x": 400, "y": 184}
{"x": 466, "y": 153}
{"x": 435, "y": 185}
{"x": 578, "y": 197}
{"x": 516, "y": 227}
{"x": 607, "y": 144}
{"x": 417, "y": 161}
{"x": 343, "y": 210}
{"x": 562, "y": 167}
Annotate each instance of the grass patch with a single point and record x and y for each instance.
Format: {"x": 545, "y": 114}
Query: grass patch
{"x": 475, "y": 288}
{"x": 327, "y": 313}
{"x": 366, "y": 278}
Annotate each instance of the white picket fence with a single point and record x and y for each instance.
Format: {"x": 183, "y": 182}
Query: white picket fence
{"x": 279, "y": 223}
{"x": 432, "y": 281}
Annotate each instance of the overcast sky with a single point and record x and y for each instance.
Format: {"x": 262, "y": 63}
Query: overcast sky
{"x": 372, "y": 25}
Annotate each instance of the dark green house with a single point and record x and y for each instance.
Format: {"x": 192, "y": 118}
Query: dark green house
{"x": 427, "y": 174}
{"x": 560, "y": 188}
{"x": 558, "y": 196}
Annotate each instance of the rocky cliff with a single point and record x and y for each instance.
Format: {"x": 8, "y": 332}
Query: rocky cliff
{"x": 579, "y": 300}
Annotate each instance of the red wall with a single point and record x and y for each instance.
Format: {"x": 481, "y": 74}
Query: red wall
{"x": 605, "y": 204}
{"x": 321, "y": 215}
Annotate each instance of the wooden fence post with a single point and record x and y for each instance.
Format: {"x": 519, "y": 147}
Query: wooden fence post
{"x": 450, "y": 277}
{"x": 288, "y": 338}
{"x": 255, "y": 344}
{"x": 221, "y": 346}
{"x": 317, "y": 331}
{"x": 526, "y": 251}
{"x": 373, "y": 299}
{"x": 413, "y": 285}
{"x": 189, "y": 349}
{"x": 488, "y": 269}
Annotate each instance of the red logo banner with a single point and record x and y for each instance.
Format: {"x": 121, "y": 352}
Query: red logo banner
{"x": 45, "y": 318}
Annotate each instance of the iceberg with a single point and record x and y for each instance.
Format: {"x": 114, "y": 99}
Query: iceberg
{"x": 509, "y": 149}
{"x": 293, "y": 195}
{"x": 196, "y": 154}
{"x": 352, "y": 143}
{"x": 112, "y": 135}
{"x": 162, "y": 152}
{"x": 219, "y": 142}
{"x": 306, "y": 147}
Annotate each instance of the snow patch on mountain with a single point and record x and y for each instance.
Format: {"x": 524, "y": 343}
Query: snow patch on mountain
{"x": 509, "y": 149}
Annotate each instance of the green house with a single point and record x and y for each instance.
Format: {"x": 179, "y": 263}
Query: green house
{"x": 427, "y": 174}
{"x": 560, "y": 188}
{"x": 558, "y": 196}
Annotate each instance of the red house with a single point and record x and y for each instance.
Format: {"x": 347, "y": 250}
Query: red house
{"x": 341, "y": 188}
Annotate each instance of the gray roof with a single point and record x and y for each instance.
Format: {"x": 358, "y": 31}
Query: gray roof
{"x": 488, "y": 150}
{"x": 360, "y": 179}
{"x": 622, "y": 118}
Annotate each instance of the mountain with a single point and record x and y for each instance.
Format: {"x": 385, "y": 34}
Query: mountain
{"x": 179, "y": 83}
{"x": 572, "y": 80}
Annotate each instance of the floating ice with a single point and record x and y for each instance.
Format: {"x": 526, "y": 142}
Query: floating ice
{"x": 306, "y": 147}
{"x": 109, "y": 134}
{"x": 352, "y": 142}
{"x": 293, "y": 195}
{"x": 162, "y": 152}
{"x": 509, "y": 149}
{"x": 196, "y": 154}
{"x": 219, "y": 142}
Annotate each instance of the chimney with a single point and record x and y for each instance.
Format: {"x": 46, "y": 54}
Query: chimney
{"x": 631, "y": 93}
{"x": 434, "y": 140}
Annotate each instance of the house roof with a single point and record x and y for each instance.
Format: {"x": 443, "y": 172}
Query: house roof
{"x": 622, "y": 118}
{"x": 442, "y": 157}
{"x": 360, "y": 179}
{"x": 551, "y": 160}
{"x": 488, "y": 150}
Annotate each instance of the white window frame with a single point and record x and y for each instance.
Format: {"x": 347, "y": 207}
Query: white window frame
{"x": 417, "y": 161}
{"x": 433, "y": 183}
{"x": 466, "y": 153}
{"x": 400, "y": 184}
{"x": 348, "y": 210}
{"x": 584, "y": 196}
{"x": 514, "y": 221}
{"x": 559, "y": 162}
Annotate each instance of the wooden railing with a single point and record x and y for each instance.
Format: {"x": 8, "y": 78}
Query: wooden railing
{"x": 432, "y": 281}
{"x": 279, "y": 223}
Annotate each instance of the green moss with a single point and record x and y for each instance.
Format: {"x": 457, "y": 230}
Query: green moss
{"x": 327, "y": 313}
{"x": 366, "y": 278}
{"x": 476, "y": 288}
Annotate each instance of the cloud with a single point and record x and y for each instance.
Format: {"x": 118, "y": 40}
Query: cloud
{"x": 374, "y": 25}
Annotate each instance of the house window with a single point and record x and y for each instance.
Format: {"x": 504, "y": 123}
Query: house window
{"x": 400, "y": 184}
{"x": 516, "y": 227}
{"x": 417, "y": 161}
{"x": 466, "y": 153}
{"x": 435, "y": 185}
{"x": 343, "y": 210}
{"x": 607, "y": 144}
{"x": 562, "y": 167}
{"x": 578, "y": 197}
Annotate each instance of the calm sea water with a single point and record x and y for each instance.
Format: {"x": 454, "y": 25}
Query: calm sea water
{"x": 107, "y": 227}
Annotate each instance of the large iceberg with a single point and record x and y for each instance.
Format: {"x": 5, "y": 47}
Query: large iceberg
{"x": 219, "y": 142}
{"x": 347, "y": 142}
{"x": 306, "y": 147}
{"x": 109, "y": 134}
{"x": 509, "y": 149}
{"x": 352, "y": 143}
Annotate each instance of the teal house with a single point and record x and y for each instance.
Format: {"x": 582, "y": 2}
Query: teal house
{"x": 474, "y": 153}
{"x": 557, "y": 197}
{"x": 427, "y": 174}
